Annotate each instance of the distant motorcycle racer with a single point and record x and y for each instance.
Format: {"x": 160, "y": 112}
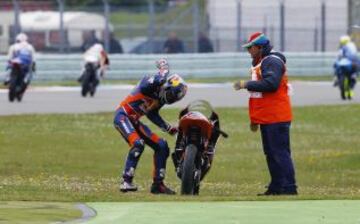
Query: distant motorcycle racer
{"x": 96, "y": 61}
{"x": 347, "y": 63}
{"x": 22, "y": 53}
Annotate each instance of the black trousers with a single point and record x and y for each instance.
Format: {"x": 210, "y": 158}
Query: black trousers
{"x": 276, "y": 145}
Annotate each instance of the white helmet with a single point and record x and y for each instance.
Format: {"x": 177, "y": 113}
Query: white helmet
{"x": 21, "y": 37}
{"x": 98, "y": 47}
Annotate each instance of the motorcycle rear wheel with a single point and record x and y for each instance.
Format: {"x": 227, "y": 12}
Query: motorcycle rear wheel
{"x": 85, "y": 85}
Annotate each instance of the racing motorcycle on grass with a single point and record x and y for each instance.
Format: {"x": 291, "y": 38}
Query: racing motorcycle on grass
{"x": 17, "y": 84}
{"x": 199, "y": 130}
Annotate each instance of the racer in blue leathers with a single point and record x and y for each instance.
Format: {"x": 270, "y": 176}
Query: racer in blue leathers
{"x": 21, "y": 53}
{"x": 147, "y": 98}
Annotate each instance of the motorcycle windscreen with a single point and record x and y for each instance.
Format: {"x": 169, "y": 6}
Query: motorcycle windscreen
{"x": 201, "y": 106}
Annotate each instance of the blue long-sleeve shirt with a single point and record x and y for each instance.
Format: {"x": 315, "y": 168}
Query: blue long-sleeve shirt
{"x": 272, "y": 70}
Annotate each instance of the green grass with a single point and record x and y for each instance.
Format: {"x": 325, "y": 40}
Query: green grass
{"x": 311, "y": 78}
{"x": 80, "y": 157}
{"x": 37, "y": 212}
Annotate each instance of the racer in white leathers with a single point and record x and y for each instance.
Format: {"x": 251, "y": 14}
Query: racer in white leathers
{"x": 97, "y": 58}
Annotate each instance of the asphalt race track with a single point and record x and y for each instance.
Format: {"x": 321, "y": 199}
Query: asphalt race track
{"x": 39, "y": 100}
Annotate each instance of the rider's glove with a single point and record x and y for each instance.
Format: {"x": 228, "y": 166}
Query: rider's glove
{"x": 171, "y": 130}
{"x": 239, "y": 85}
{"x": 162, "y": 64}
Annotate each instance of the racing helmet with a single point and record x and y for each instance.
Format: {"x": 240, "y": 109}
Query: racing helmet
{"x": 98, "y": 47}
{"x": 173, "y": 90}
{"x": 256, "y": 39}
{"x": 344, "y": 40}
{"x": 21, "y": 37}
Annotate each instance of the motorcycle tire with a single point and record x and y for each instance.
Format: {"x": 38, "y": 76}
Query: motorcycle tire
{"x": 12, "y": 89}
{"x": 342, "y": 86}
{"x": 188, "y": 182}
{"x": 85, "y": 85}
{"x": 21, "y": 92}
{"x": 19, "y": 97}
{"x": 95, "y": 82}
{"x": 92, "y": 90}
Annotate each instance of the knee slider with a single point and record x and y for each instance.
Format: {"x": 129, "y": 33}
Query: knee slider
{"x": 116, "y": 121}
{"x": 137, "y": 148}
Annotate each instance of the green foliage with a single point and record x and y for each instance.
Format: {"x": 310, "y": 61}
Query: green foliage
{"x": 80, "y": 2}
{"x": 178, "y": 18}
{"x": 137, "y": 2}
{"x": 113, "y": 2}
{"x": 79, "y": 157}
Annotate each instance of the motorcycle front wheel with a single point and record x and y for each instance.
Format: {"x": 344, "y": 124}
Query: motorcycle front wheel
{"x": 188, "y": 180}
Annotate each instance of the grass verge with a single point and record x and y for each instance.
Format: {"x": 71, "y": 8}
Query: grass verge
{"x": 79, "y": 157}
{"x": 249, "y": 212}
{"x": 37, "y": 212}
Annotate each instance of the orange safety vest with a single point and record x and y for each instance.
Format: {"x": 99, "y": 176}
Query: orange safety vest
{"x": 269, "y": 107}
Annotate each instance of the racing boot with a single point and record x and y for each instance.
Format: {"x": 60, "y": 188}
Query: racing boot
{"x": 350, "y": 94}
{"x": 7, "y": 78}
{"x": 126, "y": 186}
{"x": 127, "y": 181}
{"x": 161, "y": 188}
{"x": 6, "y": 81}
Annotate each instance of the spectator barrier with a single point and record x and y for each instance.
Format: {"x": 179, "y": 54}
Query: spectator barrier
{"x": 133, "y": 66}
